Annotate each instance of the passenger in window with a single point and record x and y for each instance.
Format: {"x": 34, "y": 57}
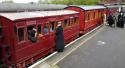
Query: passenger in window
{"x": 32, "y": 34}
{"x": 51, "y": 28}
{"x": 59, "y": 38}
{"x": 46, "y": 29}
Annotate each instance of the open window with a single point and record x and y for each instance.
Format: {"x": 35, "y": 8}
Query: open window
{"x": 21, "y": 34}
{"x": 87, "y": 17}
{"x": 76, "y": 20}
{"x": 32, "y": 33}
{"x": 96, "y": 14}
{"x": 66, "y": 23}
{"x": 71, "y": 21}
{"x": 39, "y": 29}
{"x": 46, "y": 28}
{"x": 52, "y": 26}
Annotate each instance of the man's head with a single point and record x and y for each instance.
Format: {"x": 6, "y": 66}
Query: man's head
{"x": 34, "y": 29}
{"x": 59, "y": 23}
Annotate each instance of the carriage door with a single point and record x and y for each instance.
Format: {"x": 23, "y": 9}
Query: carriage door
{"x": 46, "y": 36}
{"x": 52, "y": 26}
{"x": 1, "y": 36}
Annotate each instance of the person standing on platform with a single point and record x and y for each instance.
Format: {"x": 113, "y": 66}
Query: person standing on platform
{"x": 59, "y": 38}
{"x": 120, "y": 22}
{"x": 110, "y": 20}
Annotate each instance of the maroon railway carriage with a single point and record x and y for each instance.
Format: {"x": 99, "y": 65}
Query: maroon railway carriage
{"x": 15, "y": 47}
{"x": 90, "y": 16}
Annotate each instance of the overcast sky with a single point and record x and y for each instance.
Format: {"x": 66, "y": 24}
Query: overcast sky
{"x": 22, "y": 1}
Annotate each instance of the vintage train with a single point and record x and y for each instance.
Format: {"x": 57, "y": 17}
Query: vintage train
{"x": 17, "y": 51}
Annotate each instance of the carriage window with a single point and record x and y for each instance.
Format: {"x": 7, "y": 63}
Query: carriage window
{"x": 31, "y": 31}
{"x": 21, "y": 34}
{"x": 94, "y": 15}
{"x": 99, "y": 14}
{"x": 52, "y": 26}
{"x": 72, "y": 21}
{"x": 76, "y": 19}
{"x": 46, "y": 29}
{"x": 66, "y": 23}
{"x": 30, "y": 27}
{"x": 86, "y": 17}
{"x": 39, "y": 29}
{"x": 91, "y": 16}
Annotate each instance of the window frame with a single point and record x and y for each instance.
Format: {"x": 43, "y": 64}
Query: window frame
{"x": 67, "y": 24}
{"x": 41, "y": 29}
{"x": 24, "y": 30}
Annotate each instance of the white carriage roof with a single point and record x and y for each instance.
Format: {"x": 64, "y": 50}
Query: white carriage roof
{"x": 113, "y": 6}
{"x": 23, "y": 15}
{"x": 14, "y": 7}
{"x": 90, "y": 7}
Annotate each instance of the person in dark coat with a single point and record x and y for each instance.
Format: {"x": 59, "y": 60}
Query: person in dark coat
{"x": 59, "y": 38}
{"x": 120, "y": 22}
{"x": 110, "y": 20}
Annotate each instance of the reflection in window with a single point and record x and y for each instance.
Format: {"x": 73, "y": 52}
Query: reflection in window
{"x": 46, "y": 29}
{"x": 21, "y": 34}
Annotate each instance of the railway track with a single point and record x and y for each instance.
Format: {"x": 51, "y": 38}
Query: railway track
{"x": 54, "y": 58}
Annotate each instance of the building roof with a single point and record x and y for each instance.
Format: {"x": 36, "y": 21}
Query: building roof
{"x": 23, "y": 15}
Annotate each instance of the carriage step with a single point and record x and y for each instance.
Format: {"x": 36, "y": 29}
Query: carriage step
{"x": 46, "y": 65}
{"x": 3, "y": 66}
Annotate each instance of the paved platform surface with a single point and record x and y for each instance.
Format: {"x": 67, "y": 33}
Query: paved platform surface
{"x": 105, "y": 50}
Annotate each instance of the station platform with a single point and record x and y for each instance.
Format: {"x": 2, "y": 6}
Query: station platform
{"x": 103, "y": 47}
